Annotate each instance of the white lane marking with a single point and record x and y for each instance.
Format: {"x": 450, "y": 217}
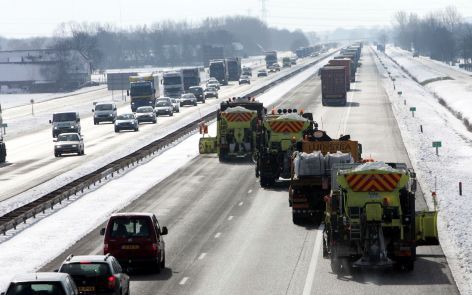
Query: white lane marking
{"x": 313, "y": 262}
{"x": 231, "y": 217}
{"x": 183, "y": 281}
{"x": 217, "y": 235}
{"x": 202, "y": 256}
{"x": 249, "y": 191}
{"x": 240, "y": 203}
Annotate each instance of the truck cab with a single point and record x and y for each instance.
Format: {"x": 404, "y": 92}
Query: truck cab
{"x": 65, "y": 122}
{"x": 173, "y": 82}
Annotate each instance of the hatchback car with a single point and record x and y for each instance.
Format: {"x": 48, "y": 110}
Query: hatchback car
{"x": 164, "y": 106}
{"x": 67, "y": 143}
{"x": 135, "y": 239}
{"x": 198, "y": 92}
{"x": 104, "y": 112}
{"x": 262, "y": 73}
{"x": 126, "y": 122}
{"x": 49, "y": 283}
{"x": 244, "y": 80}
{"x": 146, "y": 114}
{"x": 211, "y": 92}
{"x": 96, "y": 274}
{"x": 188, "y": 99}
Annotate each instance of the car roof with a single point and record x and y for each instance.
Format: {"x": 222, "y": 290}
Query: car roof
{"x": 194, "y": 87}
{"x": 40, "y": 277}
{"x": 127, "y": 214}
{"x": 70, "y": 133}
{"x": 142, "y": 107}
{"x": 91, "y": 258}
{"x": 104, "y": 102}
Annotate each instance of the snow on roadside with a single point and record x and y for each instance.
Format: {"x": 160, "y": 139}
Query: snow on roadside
{"x": 443, "y": 171}
{"x": 456, "y": 94}
{"x": 30, "y": 247}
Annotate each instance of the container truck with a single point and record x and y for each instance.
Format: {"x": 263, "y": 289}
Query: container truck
{"x": 371, "y": 220}
{"x": 333, "y": 85}
{"x": 346, "y": 63}
{"x": 173, "y": 83}
{"x": 234, "y": 68}
{"x": 238, "y": 129}
{"x": 219, "y": 70}
{"x": 270, "y": 58}
{"x": 191, "y": 77}
{"x": 143, "y": 90}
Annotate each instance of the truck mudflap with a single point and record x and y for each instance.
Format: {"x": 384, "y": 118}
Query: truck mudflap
{"x": 207, "y": 145}
{"x": 426, "y": 228}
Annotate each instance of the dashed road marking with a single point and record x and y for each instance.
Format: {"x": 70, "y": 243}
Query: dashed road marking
{"x": 202, "y": 256}
{"x": 231, "y": 217}
{"x": 314, "y": 261}
{"x": 217, "y": 235}
{"x": 240, "y": 203}
{"x": 249, "y": 191}
{"x": 183, "y": 281}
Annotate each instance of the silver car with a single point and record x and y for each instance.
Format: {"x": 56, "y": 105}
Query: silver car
{"x": 146, "y": 114}
{"x": 126, "y": 122}
{"x": 67, "y": 143}
{"x": 104, "y": 112}
{"x": 176, "y": 104}
{"x": 42, "y": 283}
{"x": 164, "y": 106}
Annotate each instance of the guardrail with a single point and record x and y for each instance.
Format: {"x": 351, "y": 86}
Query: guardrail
{"x": 17, "y": 216}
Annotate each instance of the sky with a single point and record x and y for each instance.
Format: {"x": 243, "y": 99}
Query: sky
{"x": 27, "y": 18}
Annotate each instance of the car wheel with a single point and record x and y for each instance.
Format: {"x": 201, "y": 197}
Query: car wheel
{"x": 56, "y": 155}
{"x": 195, "y": 103}
{"x": 117, "y": 130}
{"x": 171, "y": 114}
{"x": 157, "y": 266}
{"x": 154, "y": 121}
{"x": 95, "y": 122}
{"x": 203, "y": 101}
{"x": 217, "y": 97}
{"x": 181, "y": 105}
{"x": 163, "y": 263}
{"x": 136, "y": 129}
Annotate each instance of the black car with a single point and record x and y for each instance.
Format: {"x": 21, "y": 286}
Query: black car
{"x": 198, "y": 92}
{"x": 96, "y": 274}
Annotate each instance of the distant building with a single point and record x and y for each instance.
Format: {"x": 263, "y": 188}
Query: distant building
{"x": 43, "y": 70}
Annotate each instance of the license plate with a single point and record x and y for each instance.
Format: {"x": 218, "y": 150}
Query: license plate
{"x": 130, "y": 247}
{"x": 86, "y": 289}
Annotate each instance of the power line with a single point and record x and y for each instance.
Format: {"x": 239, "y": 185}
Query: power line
{"x": 264, "y": 12}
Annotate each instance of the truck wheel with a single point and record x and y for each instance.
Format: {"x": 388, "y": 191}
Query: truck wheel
{"x": 336, "y": 265}
{"x": 296, "y": 219}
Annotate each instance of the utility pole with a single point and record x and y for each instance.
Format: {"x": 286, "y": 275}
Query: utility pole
{"x": 264, "y": 11}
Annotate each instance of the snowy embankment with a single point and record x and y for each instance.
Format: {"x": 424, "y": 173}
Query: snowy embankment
{"x": 441, "y": 173}
{"x": 29, "y": 247}
{"x": 454, "y": 92}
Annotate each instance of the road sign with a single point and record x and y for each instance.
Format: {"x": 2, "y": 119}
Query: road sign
{"x": 413, "y": 109}
{"x": 437, "y": 144}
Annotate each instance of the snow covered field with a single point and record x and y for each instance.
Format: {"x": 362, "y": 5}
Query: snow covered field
{"x": 30, "y": 247}
{"x": 438, "y": 173}
{"x": 455, "y": 93}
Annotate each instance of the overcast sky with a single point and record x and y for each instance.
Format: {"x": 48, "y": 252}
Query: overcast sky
{"x": 26, "y": 18}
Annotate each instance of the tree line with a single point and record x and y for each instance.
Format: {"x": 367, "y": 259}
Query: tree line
{"x": 443, "y": 35}
{"x": 166, "y": 43}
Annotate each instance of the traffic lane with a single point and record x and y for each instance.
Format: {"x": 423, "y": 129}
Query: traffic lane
{"x": 382, "y": 138}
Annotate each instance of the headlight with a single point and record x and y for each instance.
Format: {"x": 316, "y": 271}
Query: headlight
{"x": 74, "y": 145}
{"x": 55, "y": 127}
{"x": 73, "y": 127}
{"x": 58, "y": 146}
{"x": 111, "y": 115}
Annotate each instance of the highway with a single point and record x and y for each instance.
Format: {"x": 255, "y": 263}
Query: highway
{"x": 229, "y": 236}
{"x": 31, "y": 162}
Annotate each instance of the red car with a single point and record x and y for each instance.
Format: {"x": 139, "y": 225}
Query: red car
{"x": 135, "y": 239}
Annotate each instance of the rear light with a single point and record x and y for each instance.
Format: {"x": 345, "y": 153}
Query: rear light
{"x": 111, "y": 282}
{"x": 154, "y": 247}
{"x": 85, "y": 262}
{"x": 105, "y": 249}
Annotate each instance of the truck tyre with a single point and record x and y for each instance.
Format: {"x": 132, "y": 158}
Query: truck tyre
{"x": 336, "y": 265}
{"x": 296, "y": 219}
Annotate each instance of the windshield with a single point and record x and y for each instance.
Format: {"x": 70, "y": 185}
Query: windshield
{"x": 141, "y": 88}
{"x": 68, "y": 137}
{"x": 103, "y": 107}
{"x": 211, "y": 89}
{"x": 144, "y": 110}
{"x": 172, "y": 80}
{"x": 88, "y": 269}
{"x": 196, "y": 90}
{"x": 130, "y": 227}
{"x": 125, "y": 117}
{"x": 27, "y": 288}
{"x": 163, "y": 103}
{"x": 63, "y": 117}
{"x": 188, "y": 95}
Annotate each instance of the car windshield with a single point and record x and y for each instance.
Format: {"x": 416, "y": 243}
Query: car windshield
{"x": 211, "y": 89}
{"x": 31, "y": 288}
{"x": 172, "y": 80}
{"x": 63, "y": 117}
{"x": 144, "y": 110}
{"x": 188, "y": 96}
{"x": 130, "y": 227}
{"x": 86, "y": 269}
{"x": 162, "y": 103}
{"x": 103, "y": 107}
{"x": 68, "y": 137}
{"x": 125, "y": 117}
{"x": 197, "y": 90}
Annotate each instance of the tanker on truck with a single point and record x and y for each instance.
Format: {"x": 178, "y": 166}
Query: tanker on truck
{"x": 143, "y": 90}
{"x": 173, "y": 83}
{"x": 238, "y": 130}
{"x": 371, "y": 220}
{"x": 219, "y": 70}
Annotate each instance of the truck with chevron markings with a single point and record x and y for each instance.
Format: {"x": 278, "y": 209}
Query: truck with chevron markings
{"x": 274, "y": 152}
{"x": 238, "y": 129}
{"x": 370, "y": 217}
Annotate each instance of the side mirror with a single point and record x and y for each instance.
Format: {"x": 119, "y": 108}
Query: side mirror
{"x": 127, "y": 92}
{"x": 164, "y": 231}
{"x": 102, "y": 231}
{"x": 56, "y": 270}
{"x": 114, "y": 109}
{"x": 50, "y": 121}
{"x": 54, "y": 140}
{"x": 93, "y": 110}
{"x": 154, "y": 90}
{"x": 78, "y": 119}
